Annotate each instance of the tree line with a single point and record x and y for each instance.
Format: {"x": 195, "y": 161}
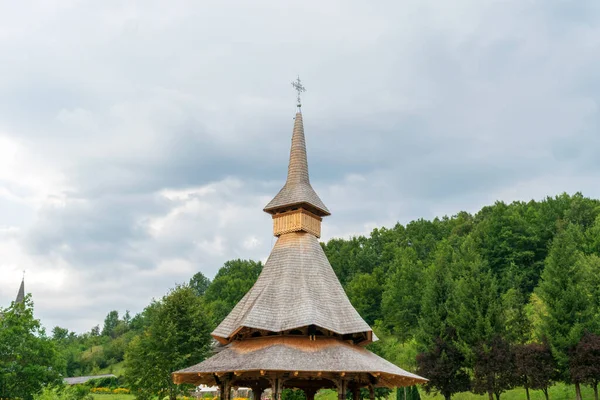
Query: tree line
{"x": 506, "y": 297}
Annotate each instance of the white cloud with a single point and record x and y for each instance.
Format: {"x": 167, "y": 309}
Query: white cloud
{"x": 138, "y": 143}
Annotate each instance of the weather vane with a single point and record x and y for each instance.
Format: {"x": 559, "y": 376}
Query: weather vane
{"x": 299, "y": 89}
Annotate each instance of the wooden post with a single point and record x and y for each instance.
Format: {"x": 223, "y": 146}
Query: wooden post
{"x": 371, "y": 392}
{"x": 257, "y": 392}
{"x": 276, "y": 388}
{"x": 225, "y": 387}
{"x": 342, "y": 385}
{"x": 310, "y": 393}
{"x": 356, "y": 392}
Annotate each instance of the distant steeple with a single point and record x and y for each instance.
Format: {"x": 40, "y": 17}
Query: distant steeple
{"x": 21, "y": 295}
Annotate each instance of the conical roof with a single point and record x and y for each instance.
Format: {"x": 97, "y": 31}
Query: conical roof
{"x": 297, "y": 288}
{"x": 21, "y": 294}
{"x": 297, "y": 189}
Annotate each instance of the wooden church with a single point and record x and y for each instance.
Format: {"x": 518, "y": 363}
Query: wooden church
{"x": 296, "y": 328}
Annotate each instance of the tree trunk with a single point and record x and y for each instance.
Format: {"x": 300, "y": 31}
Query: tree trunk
{"x": 527, "y": 392}
{"x": 596, "y": 391}
{"x": 447, "y": 397}
{"x": 497, "y": 396}
{"x": 577, "y": 391}
{"x": 490, "y": 395}
{"x": 546, "y": 393}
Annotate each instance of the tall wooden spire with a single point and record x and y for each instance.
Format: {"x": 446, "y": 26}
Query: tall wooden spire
{"x": 297, "y": 191}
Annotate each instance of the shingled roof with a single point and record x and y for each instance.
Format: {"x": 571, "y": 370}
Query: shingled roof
{"x": 297, "y": 288}
{"x": 299, "y": 354}
{"x": 297, "y": 189}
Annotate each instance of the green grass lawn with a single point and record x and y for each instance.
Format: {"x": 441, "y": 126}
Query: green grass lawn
{"x": 557, "y": 392}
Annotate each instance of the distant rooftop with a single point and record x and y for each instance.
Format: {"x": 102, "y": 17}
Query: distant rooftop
{"x": 83, "y": 379}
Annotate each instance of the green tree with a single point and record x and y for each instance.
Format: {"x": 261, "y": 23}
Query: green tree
{"x": 28, "y": 359}
{"x": 364, "y": 292}
{"x": 518, "y": 325}
{"x": 401, "y": 303}
{"x": 199, "y": 283}
{"x": 231, "y": 283}
{"x": 476, "y": 312}
{"x": 177, "y": 336}
{"x": 563, "y": 289}
{"x": 438, "y": 287}
{"x": 110, "y": 323}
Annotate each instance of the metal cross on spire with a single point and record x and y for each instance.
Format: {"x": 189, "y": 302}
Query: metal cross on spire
{"x": 297, "y": 84}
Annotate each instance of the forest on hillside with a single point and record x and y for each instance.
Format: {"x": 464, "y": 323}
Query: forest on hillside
{"x": 507, "y": 297}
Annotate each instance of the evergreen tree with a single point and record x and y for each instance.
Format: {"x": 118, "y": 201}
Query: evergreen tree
{"x": 564, "y": 291}
{"x": 433, "y": 320}
{"x": 475, "y": 309}
{"x": 401, "y": 304}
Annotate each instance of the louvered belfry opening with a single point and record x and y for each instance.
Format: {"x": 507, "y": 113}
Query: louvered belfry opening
{"x": 296, "y": 328}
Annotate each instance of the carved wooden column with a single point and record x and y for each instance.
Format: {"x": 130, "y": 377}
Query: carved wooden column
{"x": 342, "y": 385}
{"x": 276, "y": 386}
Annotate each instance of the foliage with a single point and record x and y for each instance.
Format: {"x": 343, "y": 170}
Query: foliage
{"x": 584, "y": 361}
{"x": 564, "y": 292}
{"x": 525, "y": 272}
{"x": 535, "y": 366}
{"x": 76, "y": 392}
{"x": 176, "y": 336}
{"x": 231, "y": 283}
{"x": 292, "y": 394}
{"x": 494, "y": 369}
{"x": 199, "y": 283}
{"x": 408, "y": 393}
{"x": 28, "y": 358}
{"x": 444, "y": 366}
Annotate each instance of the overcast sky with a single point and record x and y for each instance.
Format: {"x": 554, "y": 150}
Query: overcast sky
{"x": 140, "y": 140}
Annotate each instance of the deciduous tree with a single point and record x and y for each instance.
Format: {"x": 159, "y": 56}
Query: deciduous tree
{"x": 177, "y": 336}
{"x": 444, "y": 366}
{"x": 28, "y": 359}
{"x": 535, "y": 366}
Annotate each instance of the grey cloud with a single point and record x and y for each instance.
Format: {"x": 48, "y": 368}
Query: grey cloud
{"x": 413, "y": 109}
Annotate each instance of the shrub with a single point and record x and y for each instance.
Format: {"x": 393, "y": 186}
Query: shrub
{"x": 101, "y": 390}
{"x": 121, "y": 391}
